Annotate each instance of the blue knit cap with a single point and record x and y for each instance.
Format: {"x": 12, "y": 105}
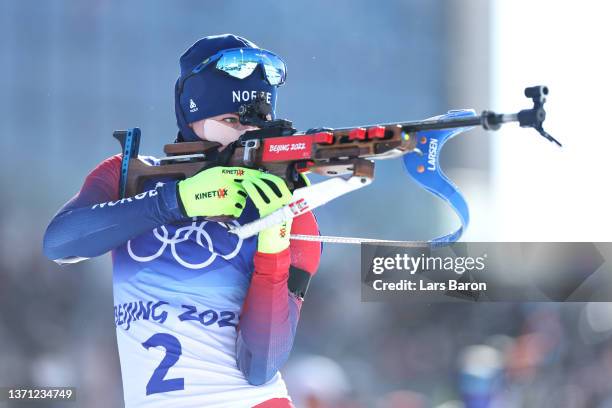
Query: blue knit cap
{"x": 212, "y": 92}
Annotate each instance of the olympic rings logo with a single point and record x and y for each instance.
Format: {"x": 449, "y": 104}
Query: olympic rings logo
{"x": 180, "y": 235}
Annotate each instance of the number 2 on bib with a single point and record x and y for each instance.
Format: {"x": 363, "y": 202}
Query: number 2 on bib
{"x": 157, "y": 383}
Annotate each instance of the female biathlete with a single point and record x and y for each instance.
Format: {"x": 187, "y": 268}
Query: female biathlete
{"x": 203, "y": 318}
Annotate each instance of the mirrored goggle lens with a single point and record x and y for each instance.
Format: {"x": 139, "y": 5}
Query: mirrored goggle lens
{"x": 241, "y": 63}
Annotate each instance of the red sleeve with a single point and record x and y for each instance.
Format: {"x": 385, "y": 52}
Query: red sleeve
{"x": 100, "y": 186}
{"x": 305, "y": 255}
{"x": 270, "y": 313}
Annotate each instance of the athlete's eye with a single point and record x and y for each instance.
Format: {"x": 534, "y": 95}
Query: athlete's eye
{"x": 231, "y": 120}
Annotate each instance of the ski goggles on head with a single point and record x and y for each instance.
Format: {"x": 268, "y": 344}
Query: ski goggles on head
{"x": 242, "y": 62}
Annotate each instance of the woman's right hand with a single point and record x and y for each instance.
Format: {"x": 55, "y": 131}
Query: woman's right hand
{"x": 213, "y": 192}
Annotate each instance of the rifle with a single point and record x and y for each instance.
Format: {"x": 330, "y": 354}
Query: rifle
{"x": 345, "y": 154}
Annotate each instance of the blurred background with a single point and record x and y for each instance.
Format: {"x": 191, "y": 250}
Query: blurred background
{"x": 71, "y": 72}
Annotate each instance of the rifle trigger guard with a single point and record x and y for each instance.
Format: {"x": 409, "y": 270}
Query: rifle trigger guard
{"x": 250, "y": 150}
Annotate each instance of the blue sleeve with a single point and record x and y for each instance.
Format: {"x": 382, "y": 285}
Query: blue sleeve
{"x": 268, "y": 320}
{"x": 94, "y": 221}
{"x": 261, "y": 352}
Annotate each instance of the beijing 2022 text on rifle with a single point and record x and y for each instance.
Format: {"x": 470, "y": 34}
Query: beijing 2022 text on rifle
{"x": 344, "y": 154}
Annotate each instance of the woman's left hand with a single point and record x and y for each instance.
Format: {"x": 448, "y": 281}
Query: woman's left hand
{"x": 269, "y": 193}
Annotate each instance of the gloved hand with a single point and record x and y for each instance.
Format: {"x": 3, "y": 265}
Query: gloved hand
{"x": 213, "y": 192}
{"x": 269, "y": 193}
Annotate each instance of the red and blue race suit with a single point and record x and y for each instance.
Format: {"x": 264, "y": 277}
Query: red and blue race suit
{"x": 202, "y": 318}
